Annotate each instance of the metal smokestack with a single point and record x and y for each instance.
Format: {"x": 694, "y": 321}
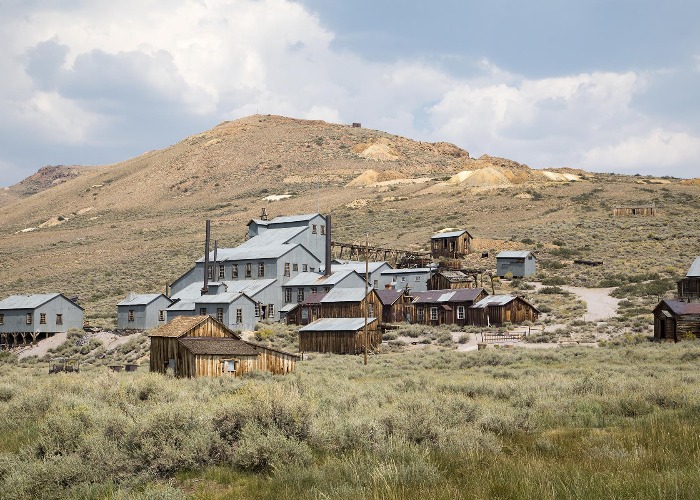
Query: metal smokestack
{"x": 328, "y": 245}
{"x": 205, "y": 288}
{"x": 216, "y": 261}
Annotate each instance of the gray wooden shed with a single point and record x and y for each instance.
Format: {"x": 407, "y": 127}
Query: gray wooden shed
{"x": 142, "y": 311}
{"x": 26, "y": 317}
{"x": 520, "y": 263}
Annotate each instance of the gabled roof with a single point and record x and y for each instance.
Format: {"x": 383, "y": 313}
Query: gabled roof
{"x": 314, "y": 298}
{"x": 220, "y": 298}
{"x": 217, "y": 346}
{"x": 337, "y": 325}
{"x": 318, "y": 279}
{"x": 454, "y": 276}
{"x": 253, "y": 252}
{"x": 182, "y": 325}
{"x": 514, "y": 254}
{"x": 681, "y": 308}
{"x": 31, "y": 301}
{"x": 271, "y": 236}
{"x": 389, "y": 297}
{"x": 444, "y": 296}
{"x": 284, "y": 219}
{"x": 345, "y": 295}
{"x": 694, "y": 271}
{"x": 250, "y": 287}
{"x": 358, "y": 267}
{"x": 181, "y": 305}
{"x": 451, "y": 234}
{"x": 500, "y": 300}
{"x": 141, "y": 299}
{"x": 411, "y": 270}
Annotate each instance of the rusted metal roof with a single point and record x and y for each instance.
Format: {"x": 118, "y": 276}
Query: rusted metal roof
{"x": 389, "y": 297}
{"x": 455, "y": 276}
{"x": 217, "y": 346}
{"x": 442, "y": 296}
{"x": 314, "y": 298}
{"x": 682, "y": 308}
{"x": 337, "y": 325}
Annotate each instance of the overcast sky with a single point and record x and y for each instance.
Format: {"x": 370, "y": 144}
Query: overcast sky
{"x": 603, "y": 85}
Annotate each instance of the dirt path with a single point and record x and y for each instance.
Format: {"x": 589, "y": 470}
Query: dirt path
{"x": 600, "y": 304}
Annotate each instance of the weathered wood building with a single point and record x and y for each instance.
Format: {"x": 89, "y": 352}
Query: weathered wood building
{"x": 194, "y": 346}
{"x": 675, "y": 320}
{"x": 445, "y": 307}
{"x": 450, "y": 280}
{"x": 25, "y": 318}
{"x": 339, "y": 335}
{"x": 142, "y": 311}
{"x": 643, "y": 210}
{"x": 396, "y": 305}
{"x": 689, "y": 287}
{"x": 519, "y": 263}
{"x": 453, "y": 244}
{"x": 338, "y": 303}
{"x": 499, "y": 309}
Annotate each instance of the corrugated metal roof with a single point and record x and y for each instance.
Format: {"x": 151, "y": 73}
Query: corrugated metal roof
{"x": 219, "y": 298}
{"x": 358, "y": 267}
{"x": 344, "y": 295}
{"x": 694, "y": 271}
{"x": 514, "y": 254}
{"x": 439, "y": 296}
{"x": 252, "y": 252}
{"x": 314, "y": 298}
{"x": 217, "y": 346}
{"x": 181, "y": 305}
{"x": 27, "y": 301}
{"x": 450, "y": 234}
{"x": 494, "y": 300}
{"x": 249, "y": 287}
{"x": 272, "y": 236}
{"x": 288, "y": 307}
{"x": 389, "y": 297}
{"x": 140, "y": 300}
{"x": 682, "y": 308}
{"x": 318, "y": 279}
{"x": 285, "y": 219}
{"x": 337, "y": 325}
{"x": 415, "y": 270}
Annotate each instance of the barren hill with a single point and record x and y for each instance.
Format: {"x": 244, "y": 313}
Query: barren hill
{"x": 138, "y": 224}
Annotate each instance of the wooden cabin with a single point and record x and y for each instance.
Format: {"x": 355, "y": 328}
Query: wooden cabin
{"x": 445, "y": 307}
{"x": 337, "y": 303}
{"x": 689, "y": 287}
{"x": 453, "y": 244}
{"x": 450, "y": 280}
{"x": 674, "y": 320}
{"x": 339, "y": 335}
{"x": 195, "y": 346}
{"x": 643, "y": 210}
{"x": 396, "y": 305}
{"x": 499, "y": 309}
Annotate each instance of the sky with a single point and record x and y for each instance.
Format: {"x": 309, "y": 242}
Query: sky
{"x": 602, "y": 85}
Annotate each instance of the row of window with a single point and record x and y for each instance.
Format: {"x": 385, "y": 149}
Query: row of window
{"x": 420, "y": 313}
{"x": 300, "y": 293}
{"x": 295, "y": 267}
{"x": 314, "y": 229}
{"x": 260, "y": 311}
{"x": 248, "y": 270}
{"x": 161, "y": 315}
{"x": 30, "y": 319}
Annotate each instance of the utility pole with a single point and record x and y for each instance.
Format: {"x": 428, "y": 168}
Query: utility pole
{"x": 366, "y": 288}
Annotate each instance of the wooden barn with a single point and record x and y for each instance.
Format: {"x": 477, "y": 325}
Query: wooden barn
{"x": 195, "y": 346}
{"x": 689, "y": 287}
{"x": 450, "y": 280}
{"x": 499, "y": 309}
{"x": 337, "y": 303}
{"x": 674, "y": 320}
{"x": 643, "y": 210}
{"x": 453, "y": 244}
{"x": 445, "y": 307}
{"x": 396, "y": 305}
{"x": 339, "y": 335}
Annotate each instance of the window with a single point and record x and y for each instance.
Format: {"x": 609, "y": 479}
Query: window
{"x": 248, "y": 270}
{"x": 42, "y": 318}
{"x": 229, "y": 365}
{"x": 300, "y": 295}
{"x": 295, "y": 267}
{"x": 59, "y": 319}
{"x": 313, "y": 229}
{"x": 376, "y": 284}
{"x": 257, "y": 309}
{"x": 210, "y": 272}
{"x": 221, "y": 271}
{"x": 220, "y": 314}
{"x": 323, "y": 229}
{"x": 460, "y": 312}
{"x": 202, "y": 311}
{"x": 370, "y": 310}
{"x": 304, "y": 268}
{"x": 239, "y": 315}
{"x": 261, "y": 269}
{"x": 326, "y": 289}
{"x": 287, "y": 295}
{"x": 161, "y": 316}
{"x": 29, "y": 318}
{"x": 2, "y": 319}
{"x": 130, "y": 316}
{"x": 403, "y": 278}
{"x": 271, "y": 310}
{"x": 286, "y": 268}
{"x": 234, "y": 271}
{"x": 313, "y": 289}
{"x": 433, "y": 314}
{"x": 312, "y": 269}
{"x": 417, "y": 278}
{"x": 420, "y": 313}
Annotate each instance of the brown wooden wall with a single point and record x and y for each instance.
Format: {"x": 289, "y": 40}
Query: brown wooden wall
{"x": 516, "y": 311}
{"x": 689, "y": 288}
{"x": 644, "y": 210}
{"x": 339, "y": 342}
{"x": 440, "y": 282}
{"x": 396, "y": 313}
{"x": 456, "y": 246}
{"x": 677, "y": 327}
{"x": 340, "y": 310}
